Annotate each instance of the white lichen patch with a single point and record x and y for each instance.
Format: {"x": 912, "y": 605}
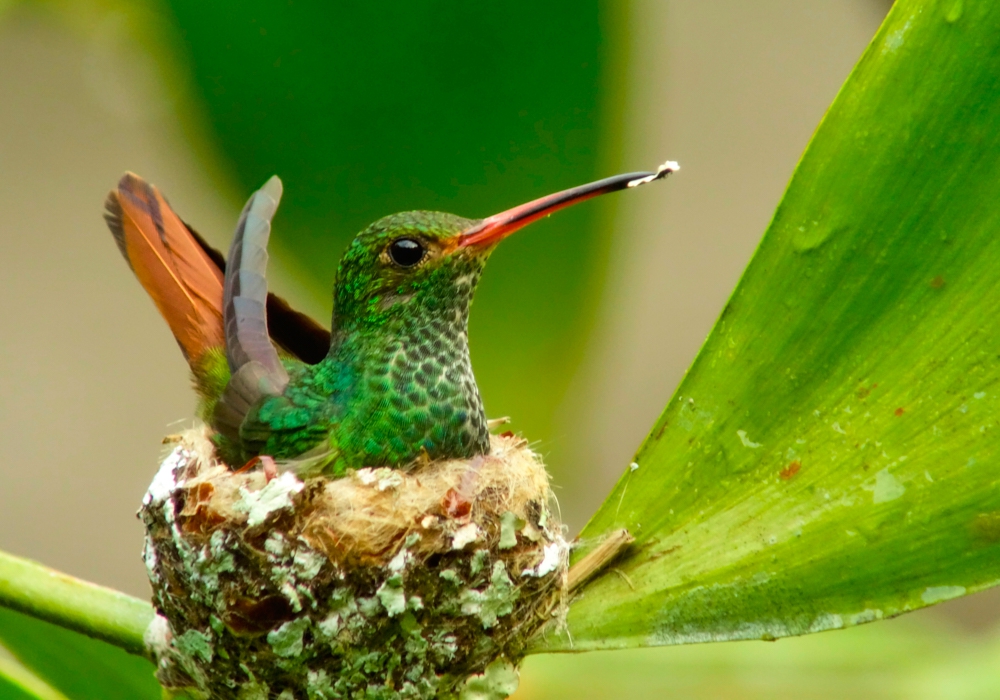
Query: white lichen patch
{"x": 307, "y": 563}
{"x": 493, "y": 602}
{"x": 383, "y": 584}
{"x": 157, "y": 635}
{"x": 383, "y": 478}
{"x": 498, "y": 681}
{"x": 149, "y": 559}
{"x": 277, "y": 495}
{"x": 287, "y": 639}
{"x": 465, "y": 535}
{"x": 554, "y": 558}
{"x": 165, "y": 481}
{"x": 392, "y": 596}
{"x": 509, "y": 525}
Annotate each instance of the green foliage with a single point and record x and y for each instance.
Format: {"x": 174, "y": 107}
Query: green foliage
{"x": 830, "y": 458}
{"x": 79, "y": 667}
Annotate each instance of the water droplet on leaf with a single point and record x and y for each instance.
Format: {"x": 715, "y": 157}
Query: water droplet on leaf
{"x": 954, "y": 12}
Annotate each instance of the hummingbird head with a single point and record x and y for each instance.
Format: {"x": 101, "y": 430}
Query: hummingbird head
{"x": 423, "y": 267}
{"x": 408, "y": 266}
{"x": 400, "y": 343}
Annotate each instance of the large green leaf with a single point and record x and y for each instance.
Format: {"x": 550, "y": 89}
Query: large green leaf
{"x": 80, "y": 667}
{"x": 831, "y": 456}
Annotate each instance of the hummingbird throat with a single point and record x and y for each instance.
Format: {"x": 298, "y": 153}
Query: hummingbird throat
{"x": 412, "y": 391}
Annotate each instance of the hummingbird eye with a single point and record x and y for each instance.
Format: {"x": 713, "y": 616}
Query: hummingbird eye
{"x": 406, "y": 252}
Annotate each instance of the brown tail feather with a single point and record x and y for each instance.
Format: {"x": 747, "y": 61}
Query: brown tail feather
{"x": 141, "y": 204}
{"x": 184, "y": 282}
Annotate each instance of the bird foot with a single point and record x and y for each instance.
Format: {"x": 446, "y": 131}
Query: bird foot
{"x": 269, "y": 467}
{"x": 267, "y": 464}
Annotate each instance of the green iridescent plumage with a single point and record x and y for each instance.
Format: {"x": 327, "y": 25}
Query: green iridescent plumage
{"x": 397, "y": 382}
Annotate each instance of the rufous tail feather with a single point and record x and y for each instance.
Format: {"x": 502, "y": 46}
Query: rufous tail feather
{"x": 185, "y": 276}
{"x": 183, "y": 281}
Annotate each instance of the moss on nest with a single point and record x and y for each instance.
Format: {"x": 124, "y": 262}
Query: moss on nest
{"x": 383, "y": 584}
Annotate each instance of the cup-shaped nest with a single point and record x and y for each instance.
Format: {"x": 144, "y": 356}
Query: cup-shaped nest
{"x": 384, "y": 583}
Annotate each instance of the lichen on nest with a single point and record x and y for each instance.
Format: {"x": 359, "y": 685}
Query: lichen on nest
{"x": 385, "y": 583}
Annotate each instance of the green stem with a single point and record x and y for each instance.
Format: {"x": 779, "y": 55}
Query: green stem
{"x": 96, "y": 611}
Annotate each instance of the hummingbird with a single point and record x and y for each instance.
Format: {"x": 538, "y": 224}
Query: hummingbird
{"x": 389, "y": 384}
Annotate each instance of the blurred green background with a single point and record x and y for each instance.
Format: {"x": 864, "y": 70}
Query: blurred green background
{"x": 583, "y": 323}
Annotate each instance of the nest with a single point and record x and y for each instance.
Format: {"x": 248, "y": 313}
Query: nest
{"x": 385, "y": 583}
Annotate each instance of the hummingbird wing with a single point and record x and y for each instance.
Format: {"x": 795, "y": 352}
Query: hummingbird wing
{"x": 257, "y": 371}
{"x": 184, "y": 275}
{"x": 245, "y": 289}
{"x": 296, "y": 333}
{"x": 185, "y": 283}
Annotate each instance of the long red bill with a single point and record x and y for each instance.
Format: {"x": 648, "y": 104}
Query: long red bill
{"x": 497, "y": 227}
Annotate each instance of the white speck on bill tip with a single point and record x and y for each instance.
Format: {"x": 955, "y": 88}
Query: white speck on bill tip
{"x": 670, "y": 166}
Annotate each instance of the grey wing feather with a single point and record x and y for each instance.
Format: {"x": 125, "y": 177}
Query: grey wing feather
{"x": 251, "y": 382}
{"x": 253, "y": 361}
{"x": 251, "y": 331}
{"x": 245, "y": 290}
